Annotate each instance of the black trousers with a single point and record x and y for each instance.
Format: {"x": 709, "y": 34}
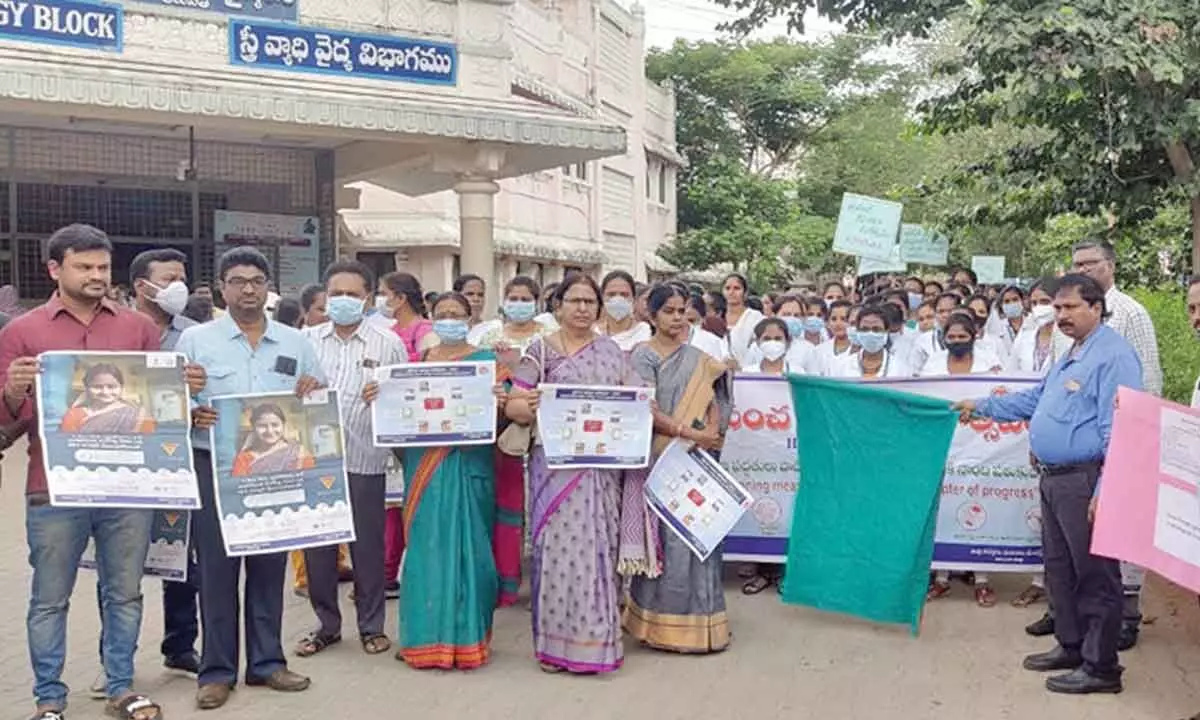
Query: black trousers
{"x": 1085, "y": 588}
{"x": 220, "y": 597}
{"x": 366, "y": 554}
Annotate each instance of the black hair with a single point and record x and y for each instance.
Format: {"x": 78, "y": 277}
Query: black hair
{"x": 719, "y": 304}
{"x": 620, "y": 275}
{"x": 965, "y": 319}
{"x": 835, "y": 284}
{"x": 571, "y": 280}
{"x": 817, "y": 303}
{"x": 267, "y": 409}
{"x": 1089, "y": 290}
{"x": 1048, "y": 285}
{"x": 873, "y": 311}
{"x": 198, "y": 308}
{"x": 893, "y": 315}
{"x": 350, "y": 267}
{"x": 978, "y": 298}
{"x": 640, "y": 289}
{"x": 455, "y": 296}
{"x": 696, "y": 302}
{"x": 754, "y": 303}
{"x": 239, "y": 256}
{"x": 549, "y": 292}
{"x": 765, "y": 323}
{"x": 1105, "y": 247}
{"x": 840, "y": 304}
{"x": 407, "y": 285}
{"x": 103, "y": 369}
{"x": 901, "y": 295}
{"x": 461, "y": 281}
{"x": 917, "y": 280}
{"x": 1012, "y": 288}
{"x": 76, "y": 238}
{"x": 947, "y": 296}
{"x": 940, "y": 287}
{"x": 959, "y": 289}
{"x": 660, "y": 294}
{"x": 932, "y": 305}
{"x": 970, "y": 273}
{"x": 526, "y": 282}
{"x": 772, "y": 296}
{"x": 740, "y": 278}
{"x": 309, "y": 295}
{"x": 289, "y": 312}
{"x": 139, "y": 269}
{"x": 792, "y": 299}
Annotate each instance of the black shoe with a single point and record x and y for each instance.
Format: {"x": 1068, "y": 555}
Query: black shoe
{"x": 1079, "y": 682}
{"x": 391, "y": 591}
{"x": 1059, "y": 658}
{"x": 1041, "y": 628}
{"x": 1128, "y": 638}
{"x": 188, "y": 662}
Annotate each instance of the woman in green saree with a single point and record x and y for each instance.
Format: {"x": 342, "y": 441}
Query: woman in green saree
{"x": 449, "y": 582}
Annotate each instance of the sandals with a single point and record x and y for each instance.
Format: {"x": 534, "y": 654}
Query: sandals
{"x": 49, "y": 715}
{"x": 132, "y": 707}
{"x": 375, "y": 644}
{"x": 550, "y": 669}
{"x": 985, "y": 596}
{"x": 756, "y": 584}
{"x": 937, "y": 589}
{"x": 315, "y": 642}
{"x": 1029, "y": 596}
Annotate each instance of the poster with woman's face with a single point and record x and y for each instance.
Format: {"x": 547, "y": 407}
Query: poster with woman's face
{"x": 107, "y": 419}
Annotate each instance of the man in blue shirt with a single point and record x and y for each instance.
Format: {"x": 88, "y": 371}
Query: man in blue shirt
{"x": 1070, "y": 416}
{"x": 243, "y": 352}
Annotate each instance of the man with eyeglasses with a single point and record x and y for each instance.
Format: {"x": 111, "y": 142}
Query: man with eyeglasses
{"x": 242, "y": 352}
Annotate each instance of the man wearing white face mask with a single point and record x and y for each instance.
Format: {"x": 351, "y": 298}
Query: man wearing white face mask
{"x": 160, "y": 288}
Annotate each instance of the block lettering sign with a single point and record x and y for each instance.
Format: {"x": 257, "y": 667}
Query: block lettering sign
{"x": 918, "y": 245}
{"x": 313, "y": 50}
{"x": 867, "y": 227}
{"x": 77, "y": 23}
{"x": 268, "y": 9}
{"x": 988, "y": 268}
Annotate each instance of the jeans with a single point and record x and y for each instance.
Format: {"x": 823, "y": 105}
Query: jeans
{"x": 57, "y": 538}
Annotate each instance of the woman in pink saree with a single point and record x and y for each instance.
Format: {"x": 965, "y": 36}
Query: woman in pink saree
{"x": 267, "y": 449}
{"x": 587, "y": 523}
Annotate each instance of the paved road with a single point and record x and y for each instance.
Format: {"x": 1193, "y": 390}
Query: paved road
{"x": 785, "y": 663}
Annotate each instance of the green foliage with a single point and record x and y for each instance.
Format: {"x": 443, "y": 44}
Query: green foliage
{"x": 1177, "y": 345}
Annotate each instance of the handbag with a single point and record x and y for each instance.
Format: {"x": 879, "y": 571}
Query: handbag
{"x": 516, "y": 439}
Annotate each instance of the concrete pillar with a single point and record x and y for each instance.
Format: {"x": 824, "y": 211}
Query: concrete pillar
{"x": 476, "y": 225}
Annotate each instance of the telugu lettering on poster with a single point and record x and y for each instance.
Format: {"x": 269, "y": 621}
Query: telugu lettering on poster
{"x": 696, "y": 498}
{"x": 76, "y": 23}
{"x": 423, "y": 404}
{"x": 115, "y": 430}
{"x": 280, "y": 472}
{"x": 167, "y": 556}
{"x": 923, "y": 246}
{"x": 315, "y": 50}
{"x": 868, "y": 227}
{"x": 599, "y": 427}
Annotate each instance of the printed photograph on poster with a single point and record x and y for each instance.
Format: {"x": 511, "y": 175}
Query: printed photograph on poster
{"x": 694, "y": 496}
{"x": 167, "y": 556}
{"x": 291, "y": 244}
{"x": 760, "y": 453}
{"x": 279, "y": 466}
{"x": 582, "y": 426}
{"x": 115, "y": 430}
{"x": 422, "y": 404}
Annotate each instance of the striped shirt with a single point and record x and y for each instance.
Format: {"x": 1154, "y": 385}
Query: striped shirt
{"x": 349, "y": 364}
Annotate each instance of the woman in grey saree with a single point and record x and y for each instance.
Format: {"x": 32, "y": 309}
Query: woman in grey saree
{"x": 683, "y": 609}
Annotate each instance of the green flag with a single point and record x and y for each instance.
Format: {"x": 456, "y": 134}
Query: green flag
{"x": 871, "y": 464}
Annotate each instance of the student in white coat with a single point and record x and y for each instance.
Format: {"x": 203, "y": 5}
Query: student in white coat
{"x": 838, "y": 344}
{"x": 791, "y": 309}
{"x": 618, "y": 320}
{"x": 700, "y": 338}
{"x": 1034, "y": 349}
{"x": 874, "y": 358}
{"x": 739, "y": 318}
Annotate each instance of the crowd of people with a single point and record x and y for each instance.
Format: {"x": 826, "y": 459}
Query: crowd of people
{"x": 602, "y": 568}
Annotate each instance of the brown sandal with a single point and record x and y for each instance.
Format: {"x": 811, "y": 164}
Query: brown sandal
{"x": 937, "y": 589}
{"x": 315, "y": 642}
{"x": 985, "y": 596}
{"x": 1029, "y": 596}
{"x": 375, "y": 644}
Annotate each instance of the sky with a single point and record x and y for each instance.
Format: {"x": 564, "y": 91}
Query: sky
{"x": 694, "y": 20}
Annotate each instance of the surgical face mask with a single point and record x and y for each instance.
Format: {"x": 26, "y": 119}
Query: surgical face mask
{"x": 852, "y": 336}
{"x": 618, "y": 307}
{"x": 520, "y": 310}
{"x": 772, "y": 349}
{"x": 1042, "y": 314}
{"x": 915, "y": 300}
{"x": 344, "y": 310}
{"x": 451, "y": 331}
{"x": 871, "y": 341}
{"x": 1012, "y": 311}
{"x": 813, "y": 324}
{"x": 795, "y": 326}
{"x": 382, "y": 306}
{"x": 172, "y": 298}
{"x": 959, "y": 349}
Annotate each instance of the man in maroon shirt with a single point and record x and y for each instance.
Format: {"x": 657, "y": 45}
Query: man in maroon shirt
{"x": 77, "y": 317}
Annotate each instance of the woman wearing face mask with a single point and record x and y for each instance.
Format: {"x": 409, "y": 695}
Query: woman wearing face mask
{"x": 839, "y": 343}
{"x": 1033, "y": 349}
{"x": 701, "y": 338}
{"x": 588, "y": 525}
{"x": 1012, "y": 307}
{"x": 400, "y": 298}
{"x": 683, "y": 609}
{"x": 739, "y": 318}
{"x": 800, "y": 353}
{"x": 618, "y": 321}
{"x": 874, "y": 358}
{"x": 509, "y": 341}
{"x": 450, "y": 581}
{"x": 989, "y": 328}
{"x": 816, "y": 315}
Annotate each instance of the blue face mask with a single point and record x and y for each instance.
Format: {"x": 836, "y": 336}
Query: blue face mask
{"x": 1012, "y": 311}
{"x": 520, "y": 310}
{"x": 813, "y": 324}
{"x": 915, "y": 300}
{"x": 451, "y": 331}
{"x": 852, "y": 335}
{"x": 795, "y": 326}
{"x": 344, "y": 310}
{"x": 872, "y": 342}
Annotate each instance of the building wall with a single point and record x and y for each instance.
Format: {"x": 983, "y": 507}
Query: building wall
{"x": 585, "y": 57}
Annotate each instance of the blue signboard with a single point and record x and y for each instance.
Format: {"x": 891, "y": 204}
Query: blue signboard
{"x": 78, "y": 23}
{"x": 272, "y": 9}
{"x": 306, "y": 49}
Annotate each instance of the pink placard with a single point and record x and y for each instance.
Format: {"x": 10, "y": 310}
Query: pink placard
{"x": 1149, "y": 507}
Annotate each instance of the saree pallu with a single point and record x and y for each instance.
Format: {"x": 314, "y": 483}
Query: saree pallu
{"x": 508, "y": 534}
{"x": 683, "y": 609}
{"x": 449, "y": 576}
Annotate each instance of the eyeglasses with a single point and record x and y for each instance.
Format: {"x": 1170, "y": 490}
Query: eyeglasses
{"x": 240, "y": 283}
